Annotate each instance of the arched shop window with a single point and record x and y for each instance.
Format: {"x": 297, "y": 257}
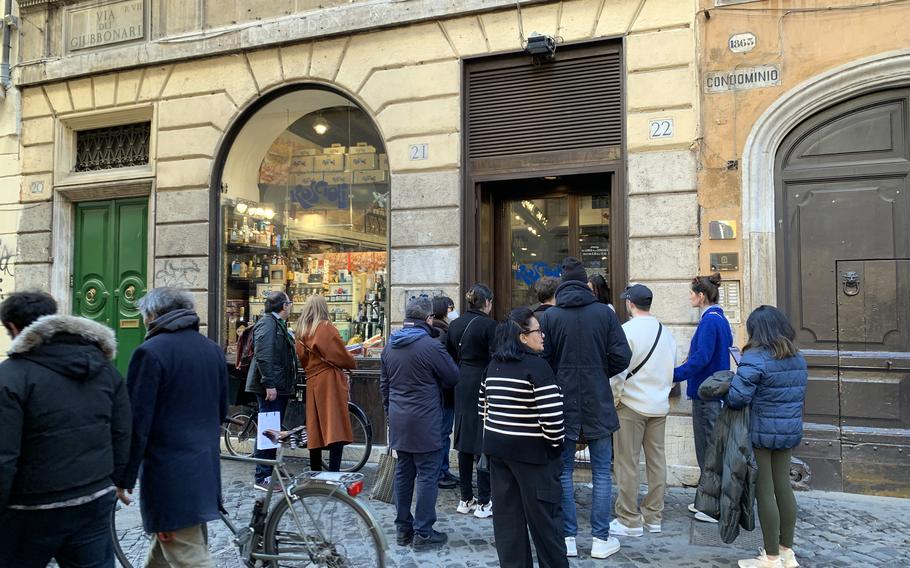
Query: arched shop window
{"x": 305, "y": 190}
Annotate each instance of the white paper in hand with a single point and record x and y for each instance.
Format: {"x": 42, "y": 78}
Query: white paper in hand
{"x": 267, "y": 421}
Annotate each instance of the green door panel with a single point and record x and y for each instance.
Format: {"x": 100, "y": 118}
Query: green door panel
{"x": 110, "y": 269}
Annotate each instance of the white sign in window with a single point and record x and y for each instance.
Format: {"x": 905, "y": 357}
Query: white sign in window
{"x": 419, "y": 151}
{"x": 660, "y": 128}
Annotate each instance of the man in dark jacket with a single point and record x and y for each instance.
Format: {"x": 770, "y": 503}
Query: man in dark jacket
{"x": 178, "y": 389}
{"x": 585, "y": 346}
{"x": 545, "y": 288}
{"x": 415, "y": 369}
{"x": 443, "y": 307}
{"x": 273, "y": 370}
{"x": 64, "y": 432}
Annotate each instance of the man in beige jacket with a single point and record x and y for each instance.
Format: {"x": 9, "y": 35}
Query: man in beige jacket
{"x": 641, "y": 395}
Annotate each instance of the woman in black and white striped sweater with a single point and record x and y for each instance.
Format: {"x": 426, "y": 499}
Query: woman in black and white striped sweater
{"x": 521, "y": 407}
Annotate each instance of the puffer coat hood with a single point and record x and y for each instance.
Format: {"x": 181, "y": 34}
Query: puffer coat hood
{"x": 726, "y": 490}
{"x": 74, "y": 347}
{"x": 776, "y": 390}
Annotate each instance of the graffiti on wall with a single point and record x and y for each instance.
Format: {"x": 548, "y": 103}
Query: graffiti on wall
{"x": 179, "y": 273}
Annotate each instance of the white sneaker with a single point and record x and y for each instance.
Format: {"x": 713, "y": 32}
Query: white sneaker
{"x": 788, "y": 558}
{"x": 484, "y": 511}
{"x": 762, "y": 561}
{"x": 651, "y": 528}
{"x": 619, "y": 529}
{"x": 692, "y": 508}
{"x": 699, "y": 516}
{"x": 571, "y": 547}
{"x": 467, "y": 507}
{"x": 604, "y": 548}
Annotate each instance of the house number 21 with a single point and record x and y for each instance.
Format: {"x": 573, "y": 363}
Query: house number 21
{"x": 661, "y": 128}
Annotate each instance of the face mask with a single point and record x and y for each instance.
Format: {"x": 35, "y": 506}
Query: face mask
{"x": 452, "y": 315}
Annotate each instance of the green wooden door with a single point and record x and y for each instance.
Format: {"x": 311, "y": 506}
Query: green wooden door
{"x": 110, "y": 268}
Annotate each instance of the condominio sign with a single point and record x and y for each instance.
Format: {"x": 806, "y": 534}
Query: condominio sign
{"x": 105, "y": 23}
{"x": 743, "y": 79}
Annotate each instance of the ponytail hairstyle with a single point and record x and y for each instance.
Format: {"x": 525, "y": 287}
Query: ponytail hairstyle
{"x": 768, "y": 328}
{"x": 478, "y": 295}
{"x": 707, "y": 285}
{"x": 508, "y": 344}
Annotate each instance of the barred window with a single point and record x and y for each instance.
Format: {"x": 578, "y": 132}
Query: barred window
{"x": 112, "y": 147}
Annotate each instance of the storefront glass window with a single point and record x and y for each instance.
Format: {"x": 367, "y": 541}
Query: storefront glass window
{"x": 540, "y": 240}
{"x": 304, "y": 210}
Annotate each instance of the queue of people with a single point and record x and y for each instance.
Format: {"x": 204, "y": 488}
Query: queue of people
{"x": 565, "y": 374}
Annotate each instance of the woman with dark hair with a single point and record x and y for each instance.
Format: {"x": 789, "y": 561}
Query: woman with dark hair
{"x": 709, "y": 352}
{"x": 521, "y": 407}
{"x": 469, "y": 342}
{"x": 598, "y": 284}
{"x": 772, "y": 377}
{"x": 442, "y": 307}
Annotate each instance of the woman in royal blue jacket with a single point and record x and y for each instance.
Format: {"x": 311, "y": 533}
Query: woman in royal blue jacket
{"x": 709, "y": 352}
{"x": 772, "y": 377}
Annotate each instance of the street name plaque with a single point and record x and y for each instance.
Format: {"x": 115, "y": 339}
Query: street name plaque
{"x": 104, "y": 23}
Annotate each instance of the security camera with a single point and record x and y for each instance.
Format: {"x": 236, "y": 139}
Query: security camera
{"x": 541, "y": 46}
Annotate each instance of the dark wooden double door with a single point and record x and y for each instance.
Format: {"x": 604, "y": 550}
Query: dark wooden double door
{"x": 843, "y": 249}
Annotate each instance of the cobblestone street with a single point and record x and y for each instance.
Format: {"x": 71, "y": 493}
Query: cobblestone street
{"x": 834, "y": 530}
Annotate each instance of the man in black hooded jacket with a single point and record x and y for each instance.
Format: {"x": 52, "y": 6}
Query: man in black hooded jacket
{"x": 64, "y": 434}
{"x": 585, "y": 345}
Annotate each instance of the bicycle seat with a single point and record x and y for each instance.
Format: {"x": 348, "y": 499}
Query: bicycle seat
{"x": 283, "y": 436}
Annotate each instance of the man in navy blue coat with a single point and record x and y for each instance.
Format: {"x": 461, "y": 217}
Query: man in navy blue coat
{"x": 415, "y": 369}
{"x": 177, "y": 382}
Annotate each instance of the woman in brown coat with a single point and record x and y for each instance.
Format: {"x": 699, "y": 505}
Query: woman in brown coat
{"x": 323, "y": 356}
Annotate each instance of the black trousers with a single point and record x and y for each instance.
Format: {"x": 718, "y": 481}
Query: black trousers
{"x": 465, "y": 474}
{"x": 528, "y": 497}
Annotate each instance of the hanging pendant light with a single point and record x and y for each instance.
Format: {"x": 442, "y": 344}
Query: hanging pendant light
{"x": 320, "y": 126}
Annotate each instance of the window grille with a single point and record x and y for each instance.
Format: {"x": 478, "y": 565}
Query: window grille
{"x": 112, "y": 147}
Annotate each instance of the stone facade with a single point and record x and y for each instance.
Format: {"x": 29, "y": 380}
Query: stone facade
{"x": 403, "y": 68}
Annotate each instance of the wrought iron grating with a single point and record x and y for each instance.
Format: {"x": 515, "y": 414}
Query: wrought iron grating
{"x": 112, "y": 147}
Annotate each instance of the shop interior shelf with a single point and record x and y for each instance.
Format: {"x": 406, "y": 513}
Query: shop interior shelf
{"x": 250, "y": 249}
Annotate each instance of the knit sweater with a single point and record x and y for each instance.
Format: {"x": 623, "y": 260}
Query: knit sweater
{"x": 647, "y": 391}
{"x": 521, "y": 407}
{"x": 709, "y": 351}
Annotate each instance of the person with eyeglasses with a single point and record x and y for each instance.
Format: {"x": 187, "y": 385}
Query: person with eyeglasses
{"x": 521, "y": 407}
{"x": 273, "y": 370}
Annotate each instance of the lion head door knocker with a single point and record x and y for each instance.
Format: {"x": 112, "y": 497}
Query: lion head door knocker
{"x": 129, "y": 294}
{"x": 851, "y": 283}
{"x": 90, "y": 296}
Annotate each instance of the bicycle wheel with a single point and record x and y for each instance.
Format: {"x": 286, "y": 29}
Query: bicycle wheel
{"x": 324, "y": 526}
{"x": 131, "y": 542}
{"x": 357, "y": 453}
{"x": 239, "y": 439}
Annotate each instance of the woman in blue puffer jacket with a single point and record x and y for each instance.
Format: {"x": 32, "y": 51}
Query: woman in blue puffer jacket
{"x": 772, "y": 377}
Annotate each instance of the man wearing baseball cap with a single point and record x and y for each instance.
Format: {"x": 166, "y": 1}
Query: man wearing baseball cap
{"x": 641, "y": 394}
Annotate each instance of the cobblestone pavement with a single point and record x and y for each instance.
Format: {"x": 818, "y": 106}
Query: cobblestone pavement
{"x": 834, "y": 530}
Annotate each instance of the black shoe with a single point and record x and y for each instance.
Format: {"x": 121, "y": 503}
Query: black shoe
{"x": 448, "y": 481}
{"x": 404, "y": 538}
{"x": 436, "y": 538}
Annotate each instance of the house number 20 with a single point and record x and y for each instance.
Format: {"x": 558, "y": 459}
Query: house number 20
{"x": 661, "y": 128}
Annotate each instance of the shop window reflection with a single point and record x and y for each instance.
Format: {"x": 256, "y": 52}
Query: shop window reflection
{"x": 305, "y": 212}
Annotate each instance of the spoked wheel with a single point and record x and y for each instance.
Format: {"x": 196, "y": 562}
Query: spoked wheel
{"x": 357, "y": 453}
{"x": 131, "y": 542}
{"x": 324, "y": 526}
{"x": 240, "y": 435}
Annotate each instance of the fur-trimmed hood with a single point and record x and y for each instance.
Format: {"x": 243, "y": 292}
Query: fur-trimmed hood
{"x": 42, "y": 331}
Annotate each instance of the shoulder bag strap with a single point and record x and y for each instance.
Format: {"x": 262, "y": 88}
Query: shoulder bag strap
{"x": 660, "y": 329}
{"x": 461, "y": 339}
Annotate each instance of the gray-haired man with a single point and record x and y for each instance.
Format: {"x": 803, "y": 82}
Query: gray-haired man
{"x": 177, "y": 382}
{"x": 415, "y": 369}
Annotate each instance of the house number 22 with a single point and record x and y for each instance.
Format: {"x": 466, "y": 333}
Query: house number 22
{"x": 661, "y": 128}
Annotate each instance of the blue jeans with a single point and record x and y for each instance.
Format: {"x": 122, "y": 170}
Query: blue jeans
{"x": 280, "y": 404}
{"x": 424, "y": 468}
{"x": 448, "y": 421}
{"x": 77, "y": 537}
{"x": 601, "y": 451}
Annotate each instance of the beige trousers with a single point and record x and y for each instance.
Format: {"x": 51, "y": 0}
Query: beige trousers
{"x": 637, "y": 432}
{"x": 188, "y": 549}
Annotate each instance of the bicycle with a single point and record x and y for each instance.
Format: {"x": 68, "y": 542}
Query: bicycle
{"x": 240, "y": 433}
{"x": 317, "y": 521}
